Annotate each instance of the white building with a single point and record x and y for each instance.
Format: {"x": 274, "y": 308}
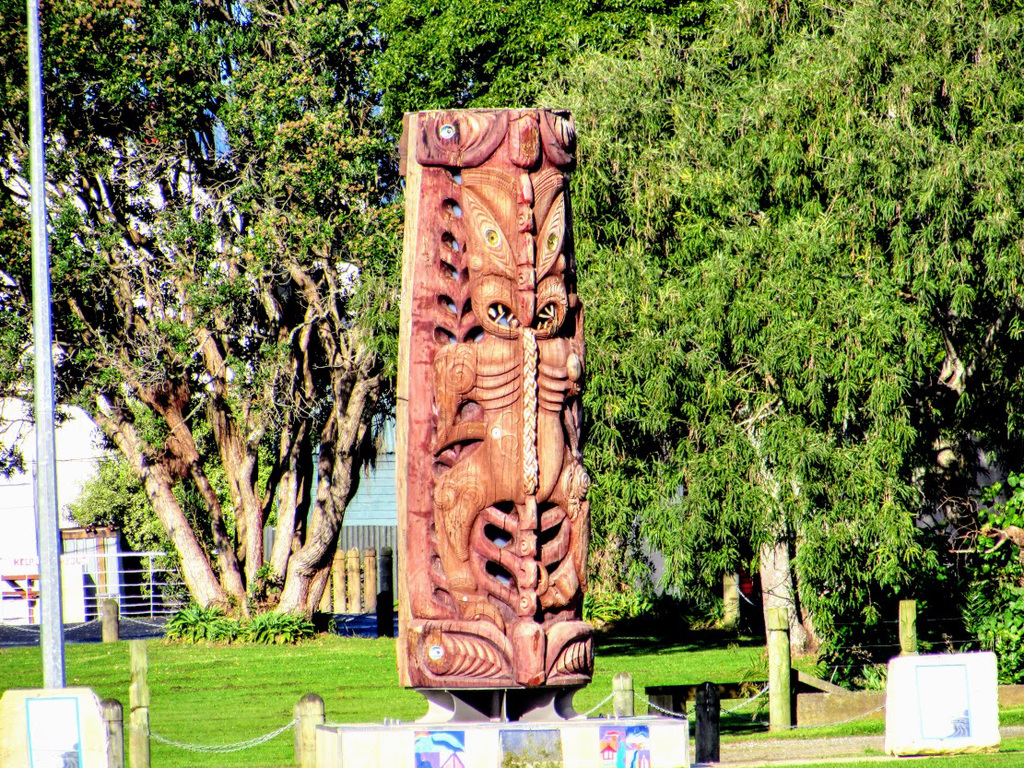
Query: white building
{"x": 78, "y": 454}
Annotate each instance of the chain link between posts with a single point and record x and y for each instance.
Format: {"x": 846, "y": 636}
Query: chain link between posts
{"x": 150, "y": 624}
{"x": 24, "y": 630}
{"x": 220, "y": 749}
{"x": 597, "y": 706}
{"x": 77, "y": 627}
{"x": 743, "y": 703}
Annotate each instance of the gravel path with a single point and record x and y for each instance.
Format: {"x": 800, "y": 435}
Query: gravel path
{"x": 767, "y": 753}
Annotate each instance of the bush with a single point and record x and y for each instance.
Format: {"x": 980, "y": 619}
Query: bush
{"x": 601, "y": 607}
{"x": 994, "y": 612}
{"x": 280, "y": 628}
{"x": 195, "y": 624}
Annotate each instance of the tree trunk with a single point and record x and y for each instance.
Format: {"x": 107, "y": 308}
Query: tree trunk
{"x": 324, "y": 522}
{"x": 293, "y": 491}
{"x": 158, "y": 483}
{"x": 777, "y": 591}
{"x": 338, "y": 478}
{"x": 237, "y": 445}
{"x": 168, "y": 401}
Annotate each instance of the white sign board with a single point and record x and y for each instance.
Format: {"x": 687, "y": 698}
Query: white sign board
{"x": 55, "y": 728}
{"x": 54, "y": 732}
{"x": 940, "y": 704}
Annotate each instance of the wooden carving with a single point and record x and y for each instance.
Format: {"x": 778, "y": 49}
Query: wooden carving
{"x": 492, "y": 492}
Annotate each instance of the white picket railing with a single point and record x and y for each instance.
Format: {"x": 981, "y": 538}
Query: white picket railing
{"x": 142, "y": 583}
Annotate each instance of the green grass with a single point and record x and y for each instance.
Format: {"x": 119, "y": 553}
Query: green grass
{"x": 211, "y": 694}
{"x": 219, "y": 694}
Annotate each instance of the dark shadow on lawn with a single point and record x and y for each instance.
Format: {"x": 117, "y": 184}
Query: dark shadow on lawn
{"x": 640, "y": 637}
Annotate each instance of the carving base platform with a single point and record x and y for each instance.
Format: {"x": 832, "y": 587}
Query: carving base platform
{"x": 482, "y": 705}
{"x": 657, "y": 742}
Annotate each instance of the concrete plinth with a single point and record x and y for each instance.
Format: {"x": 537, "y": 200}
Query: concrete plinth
{"x": 651, "y": 742}
{"x": 534, "y": 705}
{"x": 942, "y": 704}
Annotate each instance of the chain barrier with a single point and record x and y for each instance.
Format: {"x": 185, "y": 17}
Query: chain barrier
{"x": 83, "y": 625}
{"x": 18, "y": 628}
{"x": 600, "y": 704}
{"x": 861, "y": 716}
{"x": 221, "y": 749}
{"x": 652, "y": 705}
{"x": 670, "y": 713}
{"x": 743, "y": 703}
{"x": 144, "y": 623}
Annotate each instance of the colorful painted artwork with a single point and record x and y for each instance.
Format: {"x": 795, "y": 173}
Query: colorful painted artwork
{"x": 624, "y": 746}
{"x": 439, "y": 749}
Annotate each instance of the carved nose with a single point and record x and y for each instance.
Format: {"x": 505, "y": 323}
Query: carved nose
{"x": 526, "y": 308}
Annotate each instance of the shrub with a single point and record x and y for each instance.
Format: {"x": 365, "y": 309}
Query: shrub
{"x": 277, "y": 628}
{"x": 195, "y": 623}
{"x": 602, "y": 607}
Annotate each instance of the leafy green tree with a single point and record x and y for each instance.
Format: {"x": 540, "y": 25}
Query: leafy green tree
{"x": 800, "y": 241}
{"x": 495, "y": 53}
{"x": 994, "y": 606}
{"x": 115, "y": 496}
{"x": 222, "y": 259}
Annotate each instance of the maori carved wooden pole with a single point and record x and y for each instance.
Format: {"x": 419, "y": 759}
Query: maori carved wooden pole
{"x": 492, "y": 493}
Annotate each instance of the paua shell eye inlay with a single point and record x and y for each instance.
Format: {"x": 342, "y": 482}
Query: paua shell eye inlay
{"x": 552, "y": 241}
{"x": 446, "y": 131}
{"x": 492, "y": 238}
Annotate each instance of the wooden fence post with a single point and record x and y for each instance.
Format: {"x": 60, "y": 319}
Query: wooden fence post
{"x": 731, "y": 601}
{"x": 622, "y": 698}
{"x": 110, "y": 621}
{"x": 780, "y": 715}
{"x": 908, "y": 627}
{"x": 113, "y": 716}
{"x": 386, "y": 596}
{"x": 138, "y": 705}
{"x": 338, "y": 581}
{"x": 309, "y": 713}
{"x": 352, "y": 577}
{"x": 369, "y": 580}
{"x": 326, "y": 603}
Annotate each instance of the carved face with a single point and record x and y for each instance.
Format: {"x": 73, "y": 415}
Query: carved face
{"x": 516, "y": 270}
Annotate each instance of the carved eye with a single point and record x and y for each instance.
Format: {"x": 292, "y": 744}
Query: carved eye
{"x": 492, "y": 237}
{"x": 446, "y": 131}
{"x": 552, "y": 241}
{"x": 502, "y": 315}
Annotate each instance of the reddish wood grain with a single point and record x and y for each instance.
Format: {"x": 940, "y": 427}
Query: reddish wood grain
{"x": 492, "y": 499}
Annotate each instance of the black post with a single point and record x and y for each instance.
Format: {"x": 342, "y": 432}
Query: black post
{"x": 385, "y": 595}
{"x": 709, "y": 710}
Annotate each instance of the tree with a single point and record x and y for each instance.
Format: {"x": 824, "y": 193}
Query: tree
{"x": 497, "y": 53}
{"x": 222, "y": 256}
{"x": 800, "y": 242}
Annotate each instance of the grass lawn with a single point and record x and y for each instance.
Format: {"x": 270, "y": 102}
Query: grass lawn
{"x": 220, "y": 694}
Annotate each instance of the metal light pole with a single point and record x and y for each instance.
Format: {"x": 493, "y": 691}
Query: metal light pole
{"x": 47, "y": 530}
